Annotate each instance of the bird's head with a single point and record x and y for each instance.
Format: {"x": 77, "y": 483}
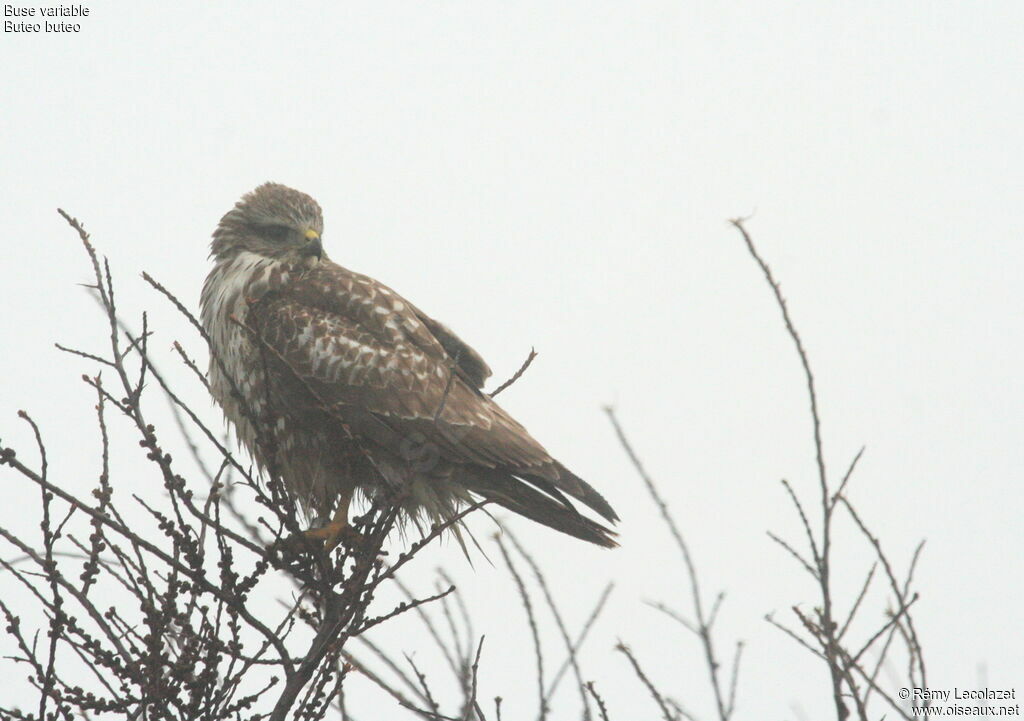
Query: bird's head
{"x": 273, "y": 221}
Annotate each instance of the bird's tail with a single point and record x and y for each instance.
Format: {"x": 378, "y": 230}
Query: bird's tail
{"x": 549, "y": 507}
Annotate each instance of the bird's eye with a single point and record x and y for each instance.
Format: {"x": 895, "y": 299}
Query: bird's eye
{"x": 275, "y": 233}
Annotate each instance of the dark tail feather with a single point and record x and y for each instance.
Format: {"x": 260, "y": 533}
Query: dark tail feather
{"x": 583, "y": 491}
{"x": 517, "y": 496}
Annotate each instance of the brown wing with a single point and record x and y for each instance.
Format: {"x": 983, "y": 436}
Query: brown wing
{"x": 361, "y": 346}
{"x": 469, "y": 363}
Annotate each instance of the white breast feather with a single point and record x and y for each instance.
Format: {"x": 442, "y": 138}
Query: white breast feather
{"x": 225, "y": 293}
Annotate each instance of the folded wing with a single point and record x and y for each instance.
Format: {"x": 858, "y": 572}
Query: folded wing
{"x": 394, "y": 373}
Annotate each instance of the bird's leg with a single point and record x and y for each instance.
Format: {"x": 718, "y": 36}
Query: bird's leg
{"x": 338, "y": 529}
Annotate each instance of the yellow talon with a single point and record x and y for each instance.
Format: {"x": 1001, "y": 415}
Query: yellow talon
{"x": 338, "y": 530}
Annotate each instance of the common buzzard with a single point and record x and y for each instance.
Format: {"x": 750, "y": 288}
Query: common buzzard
{"x": 364, "y": 390}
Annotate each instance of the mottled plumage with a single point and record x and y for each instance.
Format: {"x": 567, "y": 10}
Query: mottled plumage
{"x": 365, "y": 389}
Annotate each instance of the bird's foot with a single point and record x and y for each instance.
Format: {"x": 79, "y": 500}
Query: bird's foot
{"x": 334, "y": 533}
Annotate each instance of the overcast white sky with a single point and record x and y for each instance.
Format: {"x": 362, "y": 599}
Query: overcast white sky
{"x": 559, "y": 175}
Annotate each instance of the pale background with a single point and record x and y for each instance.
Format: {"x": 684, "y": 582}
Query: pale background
{"x": 560, "y": 176}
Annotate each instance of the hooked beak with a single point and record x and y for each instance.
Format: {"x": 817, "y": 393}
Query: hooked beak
{"x": 313, "y": 246}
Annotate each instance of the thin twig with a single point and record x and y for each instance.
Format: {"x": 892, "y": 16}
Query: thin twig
{"x": 528, "y": 606}
{"x": 703, "y": 627}
{"x": 658, "y": 698}
{"x": 517, "y": 375}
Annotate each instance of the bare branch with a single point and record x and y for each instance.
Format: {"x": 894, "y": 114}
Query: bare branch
{"x": 703, "y": 627}
{"x": 518, "y": 374}
{"x": 655, "y": 694}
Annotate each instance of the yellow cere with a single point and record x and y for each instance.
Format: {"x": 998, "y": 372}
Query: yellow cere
{"x": 312, "y": 234}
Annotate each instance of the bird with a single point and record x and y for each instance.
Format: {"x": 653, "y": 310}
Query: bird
{"x": 343, "y": 389}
